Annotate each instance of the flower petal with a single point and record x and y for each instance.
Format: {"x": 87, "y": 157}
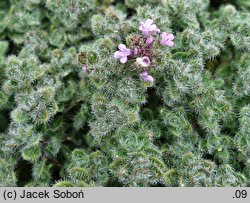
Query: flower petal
{"x": 153, "y": 27}
{"x": 143, "y": 62}
{"x": 148, "y": 22}
{"x": 123, "y": 59}
{"x": 149, "y": 79}
{"x": 122, "y": 47}
{"x": 149, "y": 40}
{"x": 84, "y": 69}
{"x": 164, "y": 35}
{"x": 170, "y": 43}
{"x": 145, "y": 32}
{"x": 135, "y": 52}
{"x": 170, "y": 36}
{"x": 127, "y": 52}
{"x": 163, "y": 42}
{"x": 118, "y": 54}
{"x": 139, "y": 60}
{"x": 144, "y": 74}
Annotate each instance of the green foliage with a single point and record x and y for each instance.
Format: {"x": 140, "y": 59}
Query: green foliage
{"x": 60, "y": 126}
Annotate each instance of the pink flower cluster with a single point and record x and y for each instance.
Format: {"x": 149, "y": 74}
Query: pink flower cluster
{"x": 148, "y": 28}
{"x": 167, "y": 39}
{"x": 142, "y": 47}
{"x": 146, "y": 77}
{"x": 122, "y": 54}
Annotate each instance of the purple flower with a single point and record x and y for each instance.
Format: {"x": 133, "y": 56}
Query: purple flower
{"x": 167, "y": 39}
{"x": 84, "y": 69}
{"x": 143, "y": 61}
{"x": 135, "y": 51}
{"x": 146, "y": 77}
{"x": 123, "y": 54}
{"x": 148, "y": 28}
{"x": 149, "y": 40}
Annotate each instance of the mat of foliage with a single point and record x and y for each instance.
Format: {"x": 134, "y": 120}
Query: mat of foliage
{"x": 60, "y": 126}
